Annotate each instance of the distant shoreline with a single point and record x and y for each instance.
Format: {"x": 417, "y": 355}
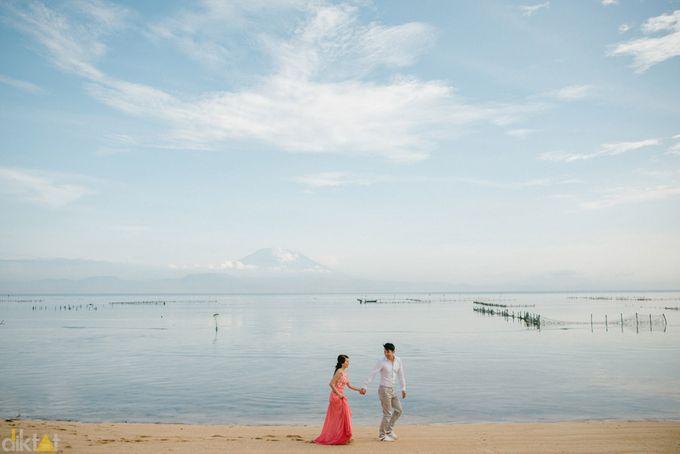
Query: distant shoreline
{"x": 359, "y": 292}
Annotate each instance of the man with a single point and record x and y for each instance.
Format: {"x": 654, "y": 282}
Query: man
{"x": 390, "y": 367}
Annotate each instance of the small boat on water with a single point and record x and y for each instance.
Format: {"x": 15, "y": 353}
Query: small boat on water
{"x": 365, "y": 301}
{"x": 394, "y": 301}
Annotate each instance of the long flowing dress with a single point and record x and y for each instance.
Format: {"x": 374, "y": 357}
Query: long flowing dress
{"x": 337, "y": 428}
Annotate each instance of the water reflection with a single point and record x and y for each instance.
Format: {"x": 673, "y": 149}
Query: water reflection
{"x": 267, "y": 358}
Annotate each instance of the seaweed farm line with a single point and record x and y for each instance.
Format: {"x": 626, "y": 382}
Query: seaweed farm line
{"x": 529, "y": 319}
{"x": 639, "y": 321}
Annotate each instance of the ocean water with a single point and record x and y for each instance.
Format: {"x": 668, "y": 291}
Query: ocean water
{"x": 272, "y": 356}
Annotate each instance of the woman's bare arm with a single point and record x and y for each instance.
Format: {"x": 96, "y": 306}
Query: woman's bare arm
{"x": 334, "y": 380}
{"x": 349, "y": 385}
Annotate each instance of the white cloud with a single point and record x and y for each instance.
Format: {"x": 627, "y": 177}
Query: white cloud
{"x": 105, "y": 15}
{"x": 301, "y": 106}
{"x": 573, "y": 92}
{"x": 622, "y": 147}
{"x": 620, "y": 196}
{"x": 20, "y": 84}
{"x": 72, "y": 45}
{"x": 131, "y": 229}
{"x": 42, "y": 188}
{"x": 227, "y": 265}
{"x": 334, "y": 45}
{"x": 202, "y": 32}
{"x": 331, "y": 179}
{"x": 623, "y": 28}
{"x": 656, "y": 173}
{"x": 233, "y": 265}
{"x": 607, "y": 149}
{"x": 536, "y": 182}
{"x": 530, "y": 10}
{"x": 549, "y": 182}
{"x": 610, "y": 2}
{"x": 665, "y": 22}
{"x": 117, "y": 144}
{"x": 400, "y": 120}
{"x": 107, "y": 151}
{"x": 651, "y": 50}
{"x": 520, "y": 132}
{"x": 336, "y": 179}
{"x": 674, "y": 150}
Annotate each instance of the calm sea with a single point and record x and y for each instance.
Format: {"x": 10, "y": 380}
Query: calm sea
{"x": 272, "y": 356}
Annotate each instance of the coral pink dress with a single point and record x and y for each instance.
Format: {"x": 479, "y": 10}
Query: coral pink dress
{"x": 337, "y": 428}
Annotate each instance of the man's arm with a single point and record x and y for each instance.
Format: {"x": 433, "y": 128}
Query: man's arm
{"x": 375, "y": 370}
{"x": 402, "y": 379}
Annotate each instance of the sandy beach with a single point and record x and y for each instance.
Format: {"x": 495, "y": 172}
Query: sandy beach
{"x": 564, "y": 437}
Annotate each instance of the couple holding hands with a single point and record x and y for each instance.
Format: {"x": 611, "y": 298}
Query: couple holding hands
{"x": 337, "y": 427}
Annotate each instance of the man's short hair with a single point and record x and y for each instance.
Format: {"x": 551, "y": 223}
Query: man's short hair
{"x": 389, "y": 346}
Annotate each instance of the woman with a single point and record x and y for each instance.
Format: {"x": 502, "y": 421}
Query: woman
{"x": 337, "y": 428}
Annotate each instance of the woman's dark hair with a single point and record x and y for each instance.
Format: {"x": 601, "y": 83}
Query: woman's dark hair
{"x": 341, "y": 361}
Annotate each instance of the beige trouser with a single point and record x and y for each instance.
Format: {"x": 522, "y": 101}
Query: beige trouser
{"x": 391, "y": 409}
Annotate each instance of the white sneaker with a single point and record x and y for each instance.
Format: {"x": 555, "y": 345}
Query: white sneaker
{"x": 393, "y": 434}
{"x": 389, "y": 437}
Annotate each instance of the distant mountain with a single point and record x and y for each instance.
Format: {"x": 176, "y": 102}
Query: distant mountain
{"x": 282, "y": 260}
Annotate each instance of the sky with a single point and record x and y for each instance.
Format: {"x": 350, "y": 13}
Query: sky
{"x": 465, "y": 142}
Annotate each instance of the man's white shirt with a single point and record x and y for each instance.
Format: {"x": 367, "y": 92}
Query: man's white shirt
{"x": 389, "y": 371}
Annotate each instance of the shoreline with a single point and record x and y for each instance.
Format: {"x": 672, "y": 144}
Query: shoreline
{"x": 590, "y": 436}
{"x": 319, "y": 421}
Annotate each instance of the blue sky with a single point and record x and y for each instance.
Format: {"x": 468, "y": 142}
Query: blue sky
{"x": 465, "y": 142}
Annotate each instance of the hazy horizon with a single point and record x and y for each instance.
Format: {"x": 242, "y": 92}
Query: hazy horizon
{"x": 64, "y": 276}
{"x": 482, "y": 144}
